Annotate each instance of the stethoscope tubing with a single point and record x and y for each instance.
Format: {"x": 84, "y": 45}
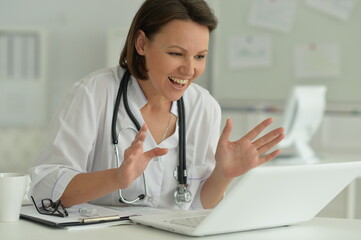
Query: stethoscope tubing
{"x": 123, "y": 87}
{"x": 181, "y": 169}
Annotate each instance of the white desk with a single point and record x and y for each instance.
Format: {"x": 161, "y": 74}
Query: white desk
{"x": 316, "y": 229}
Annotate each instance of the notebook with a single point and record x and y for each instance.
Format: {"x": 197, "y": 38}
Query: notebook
{"x": 85, "y": 215}
{"x": 265, "y": 197}
{"x": 97, "y": 215}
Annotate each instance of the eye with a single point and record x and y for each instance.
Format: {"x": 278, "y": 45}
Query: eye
{"x": 176, "y": 54}
{"x": 200, "y": 57}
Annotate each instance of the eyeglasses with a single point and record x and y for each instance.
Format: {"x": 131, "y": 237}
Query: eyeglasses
{"x": 48, "y": 207}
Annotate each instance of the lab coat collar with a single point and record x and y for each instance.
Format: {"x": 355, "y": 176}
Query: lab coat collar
{"x": 140, "y": 100}
{"x": 137, "y": 97}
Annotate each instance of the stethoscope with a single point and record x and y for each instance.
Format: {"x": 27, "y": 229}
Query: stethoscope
{"x": 181, "y": 195}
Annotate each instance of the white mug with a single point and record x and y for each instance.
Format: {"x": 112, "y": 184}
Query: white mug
{"x": 12, "y": 192}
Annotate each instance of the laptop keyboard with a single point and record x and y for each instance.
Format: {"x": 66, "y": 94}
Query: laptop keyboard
{"x": 188, "y": 221}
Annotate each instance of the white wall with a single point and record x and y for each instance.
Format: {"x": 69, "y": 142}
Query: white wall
{"x": 273, "y": 81}
{"x": 76, "y": 45}
{"x": 76, "y": 34}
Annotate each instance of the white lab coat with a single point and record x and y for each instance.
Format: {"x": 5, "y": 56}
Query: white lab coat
{"x": 80, "y": 141}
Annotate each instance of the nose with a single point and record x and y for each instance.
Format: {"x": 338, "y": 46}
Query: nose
{"x": 188, "y": 67}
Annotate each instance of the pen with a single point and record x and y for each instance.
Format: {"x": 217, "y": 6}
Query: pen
{"x": 100, "y": 219}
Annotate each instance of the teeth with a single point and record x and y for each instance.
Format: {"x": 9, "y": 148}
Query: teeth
{"x": 178, "y": 80}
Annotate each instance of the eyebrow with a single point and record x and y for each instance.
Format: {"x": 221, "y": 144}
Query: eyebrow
{"x": 183, "y": 49}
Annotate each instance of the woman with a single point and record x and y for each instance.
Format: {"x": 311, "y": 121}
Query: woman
{"x": 165, "y": 52}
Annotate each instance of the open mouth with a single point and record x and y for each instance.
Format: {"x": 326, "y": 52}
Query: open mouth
{"x": 178, "y": 81}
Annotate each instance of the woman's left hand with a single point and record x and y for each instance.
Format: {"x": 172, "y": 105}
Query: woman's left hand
{"x": 236, "y": 158}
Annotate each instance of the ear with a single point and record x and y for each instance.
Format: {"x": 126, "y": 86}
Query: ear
{"x": 140, "y": 42}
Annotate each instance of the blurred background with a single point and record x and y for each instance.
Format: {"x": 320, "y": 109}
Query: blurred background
{"x": 260, "y": 51}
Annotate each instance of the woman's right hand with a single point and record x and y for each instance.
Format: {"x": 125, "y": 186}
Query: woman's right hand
{"x": 136, "y": 160}
{"x": 85, "y": 187}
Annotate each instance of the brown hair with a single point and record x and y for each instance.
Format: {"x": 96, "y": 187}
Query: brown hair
{"x": 151, "y": 17}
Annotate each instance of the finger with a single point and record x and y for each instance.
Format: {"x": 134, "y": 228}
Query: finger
{"x": 156, "y": 152}
{"x": 137, "y": 143}
{"x": 265, "y": 148}
{"x": 144, "y": 127}
{"x": 269, "y": 157}
{"x": 258, "y": 129}
{"x": 268, "y": 137}
{"x": 226, "y": 131}
{"x": 143, "y": 131}
{"x": 135, "y": 148}
{"x": 140, "y": 135}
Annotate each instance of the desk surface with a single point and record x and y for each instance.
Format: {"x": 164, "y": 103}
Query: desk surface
{"x": 316, "y": 229}
{"x": 329, "y": 157}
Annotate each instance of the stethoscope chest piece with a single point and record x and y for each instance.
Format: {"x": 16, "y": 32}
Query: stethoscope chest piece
{"x": 182, "y": 195}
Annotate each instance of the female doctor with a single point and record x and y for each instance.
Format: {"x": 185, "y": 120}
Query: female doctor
{"x": 175, "y": 157}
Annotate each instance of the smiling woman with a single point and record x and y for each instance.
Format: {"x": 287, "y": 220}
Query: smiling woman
{"x": 174, "y": 57}
{"x": 167, "y": 124}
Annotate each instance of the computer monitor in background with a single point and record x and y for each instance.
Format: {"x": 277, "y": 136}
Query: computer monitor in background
{"x": 302, "y": 117}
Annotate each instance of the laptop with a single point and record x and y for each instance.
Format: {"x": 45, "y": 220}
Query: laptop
{"x": 264, "y": 197}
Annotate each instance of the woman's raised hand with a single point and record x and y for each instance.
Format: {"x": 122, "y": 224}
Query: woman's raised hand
{"x": 135, "y": 159}
{"x": 236, "y": 158}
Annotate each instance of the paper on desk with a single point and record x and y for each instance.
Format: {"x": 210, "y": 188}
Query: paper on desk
{"x": 137, "y": 210}
{"x": 75, "y": 214}
{"x": 122, "y": 211}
